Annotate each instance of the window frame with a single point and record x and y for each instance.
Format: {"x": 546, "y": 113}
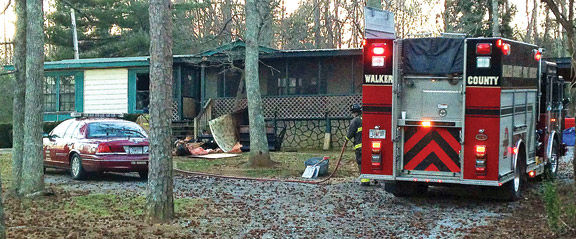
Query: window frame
{"x": 78, "y": 90}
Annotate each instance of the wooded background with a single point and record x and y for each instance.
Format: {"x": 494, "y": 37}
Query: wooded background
{"x": 116, "y": 28}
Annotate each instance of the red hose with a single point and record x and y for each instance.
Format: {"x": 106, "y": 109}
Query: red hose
{"x": 269, "y": 179}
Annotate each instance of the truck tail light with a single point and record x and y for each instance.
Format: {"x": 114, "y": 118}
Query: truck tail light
{"x": 376, "y": 154}
{"x": 480, "y": 160}
{"x": 376, "y": 147}
{"x": 480, "y": 151}
{"x": 483, "y": 49}
{"x": 105, "y": 148}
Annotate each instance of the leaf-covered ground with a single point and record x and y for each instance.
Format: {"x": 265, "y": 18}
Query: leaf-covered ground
{"x": 289, "y": 165}
{"x": 112, "y": 206}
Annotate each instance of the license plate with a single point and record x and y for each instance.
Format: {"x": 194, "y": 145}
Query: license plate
{"x": 377, "y": 134}
{"x": 135, "y": 150}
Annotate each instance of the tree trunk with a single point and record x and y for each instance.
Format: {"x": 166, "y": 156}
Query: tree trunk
{"x": 19, "y": 96}
{"x": 227, "y": 14}
{"x": 33, "y": 164}
{"x": 160, "y": 201}
{"x": 259, "y": 155}
{"x": 317, "y": 34}
{"x": 495, "y": 19}
{"x": 2, "y": 223}
{"x": 535, "y": 22}
{"x": 529, "y": 27}
{"x": 265, "y": 8}
{"x": 329, "y": 25}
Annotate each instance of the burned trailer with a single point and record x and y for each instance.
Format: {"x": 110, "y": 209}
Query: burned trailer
{"x": 474, "y": 111}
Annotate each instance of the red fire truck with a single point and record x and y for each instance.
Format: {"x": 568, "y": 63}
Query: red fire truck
{"x": 449, "y": 111}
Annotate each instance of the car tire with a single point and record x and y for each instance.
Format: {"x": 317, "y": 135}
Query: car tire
{"x": 143, "y": 174}
{"x": 76, "y": 169}
{"x": 406, "y": 189}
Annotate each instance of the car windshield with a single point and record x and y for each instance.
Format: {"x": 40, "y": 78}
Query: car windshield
{"x": 115, "y": 129}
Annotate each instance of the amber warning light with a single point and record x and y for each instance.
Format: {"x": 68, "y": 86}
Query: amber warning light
{"x": 376, "y": 146}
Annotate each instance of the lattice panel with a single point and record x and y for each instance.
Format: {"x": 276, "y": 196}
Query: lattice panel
{"x": 175, "y": 114}
{"x": 297, "y": 107}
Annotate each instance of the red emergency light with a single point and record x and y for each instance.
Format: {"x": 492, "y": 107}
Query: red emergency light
{"x": 378, "y": 50}
{"x": 377, "y": 56}
{"x": 537, "y": 55}
{"x": 506, "y": 49}
{"x": 483, "y": 49}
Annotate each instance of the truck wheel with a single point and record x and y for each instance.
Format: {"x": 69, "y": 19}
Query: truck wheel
{"x": 405, "y": 189}
{"x": 512, "y": 190}
{"x": 76, "y": 169}
{"x": 551, "y": 168}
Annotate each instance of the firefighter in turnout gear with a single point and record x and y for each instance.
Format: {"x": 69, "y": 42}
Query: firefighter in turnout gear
{"x": 355, "y": 135}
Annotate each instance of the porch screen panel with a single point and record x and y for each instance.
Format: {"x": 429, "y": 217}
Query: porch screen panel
{"x": 49, "y": 90}
{"x": 302, "y": 78}
{"x": 67, "y": 93}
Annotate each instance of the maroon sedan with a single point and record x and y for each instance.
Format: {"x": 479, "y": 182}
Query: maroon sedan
{"x": 86, "y": 145}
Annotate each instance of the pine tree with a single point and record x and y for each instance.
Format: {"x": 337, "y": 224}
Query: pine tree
{"x": 19, "y": 95}
{"x": 160, "y": 201}
{"x": 33, "y": 164}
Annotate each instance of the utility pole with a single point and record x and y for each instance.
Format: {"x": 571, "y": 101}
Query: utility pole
{"x": 74, "y": 34}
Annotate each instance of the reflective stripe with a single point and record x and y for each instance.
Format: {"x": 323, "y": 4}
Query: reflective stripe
{"x": 359, "y": 130}
{"x": 347, "y": 138}
{"x": 364, "y": 180}
{"x": 357, "y": 146}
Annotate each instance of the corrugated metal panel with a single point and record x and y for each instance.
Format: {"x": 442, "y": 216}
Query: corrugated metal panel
{"x": 106, "y": 91}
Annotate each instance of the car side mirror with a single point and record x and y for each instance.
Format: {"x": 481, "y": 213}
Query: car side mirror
{"x": 49, "y": 137}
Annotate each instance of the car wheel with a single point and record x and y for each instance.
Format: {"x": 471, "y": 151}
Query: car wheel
{"x": 143, "y": 174}
{"x": 76, "y": 169}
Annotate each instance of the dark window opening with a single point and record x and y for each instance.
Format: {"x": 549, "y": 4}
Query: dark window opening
{"x": 142, "y": 90}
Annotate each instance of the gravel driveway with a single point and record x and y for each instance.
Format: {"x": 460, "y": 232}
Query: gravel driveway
{"x": 250, "y": 209}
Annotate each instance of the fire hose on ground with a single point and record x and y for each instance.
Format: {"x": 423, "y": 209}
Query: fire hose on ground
{"x": 268, "y": 179}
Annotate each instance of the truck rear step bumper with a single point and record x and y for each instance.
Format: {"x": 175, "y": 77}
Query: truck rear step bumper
{"x": 439, "y": 180}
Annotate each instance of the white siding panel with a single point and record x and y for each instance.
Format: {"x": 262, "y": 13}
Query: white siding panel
{"x": 106, "y": 91}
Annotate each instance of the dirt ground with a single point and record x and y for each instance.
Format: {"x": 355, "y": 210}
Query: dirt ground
{"x": 112, "y": 206}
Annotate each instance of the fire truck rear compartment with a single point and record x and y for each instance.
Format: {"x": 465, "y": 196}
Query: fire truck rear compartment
{"x": 429, "y": 108}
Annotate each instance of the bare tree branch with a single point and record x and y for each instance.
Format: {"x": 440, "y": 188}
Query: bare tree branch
{"x": 6, "y": 8}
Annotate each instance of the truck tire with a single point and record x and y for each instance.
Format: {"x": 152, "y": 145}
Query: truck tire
{"x": 405, "y": 189}
{"x": 512, "y": 190}
{"x": 551, "y": 168}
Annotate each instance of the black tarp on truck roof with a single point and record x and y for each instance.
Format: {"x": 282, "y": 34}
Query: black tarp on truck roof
{"x": 433, "y": 56}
